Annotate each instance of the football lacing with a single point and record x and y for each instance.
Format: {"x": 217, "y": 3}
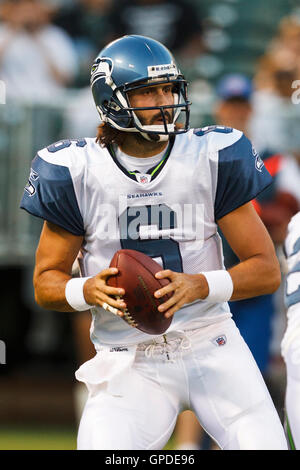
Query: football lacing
{"x": 127, "y": 315}
{"x": 129, "y": 319}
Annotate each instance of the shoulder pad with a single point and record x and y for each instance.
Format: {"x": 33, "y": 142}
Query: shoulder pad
{"x": 218, "y": 137}
{"x": 205, "y": 130}
{"x": 63, "y": 151}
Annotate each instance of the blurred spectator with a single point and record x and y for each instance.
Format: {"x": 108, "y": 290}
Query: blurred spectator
{"x": 234, "y": 105}
{"x": 37, "y": 59}
{"x": 283, "y": 56}
{"x": 275, "y": 123}
{"x": 276, "y": 118}
{"x": 89, "y": 24}
{"x": 175, "y": 23}
{"x": 278, "y": 203}
{"x": 80, "y": 117}
{"x": 87, "y": 21}
{"x": 275, "y": 207}
{"x": 289, "y": 178}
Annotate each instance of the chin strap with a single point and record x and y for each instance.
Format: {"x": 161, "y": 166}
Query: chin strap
{"x": 148, "y": 135}
{"x": 154, "y": 137}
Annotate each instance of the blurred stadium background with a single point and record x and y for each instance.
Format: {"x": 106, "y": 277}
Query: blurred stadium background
{"x": 59, "y": 39}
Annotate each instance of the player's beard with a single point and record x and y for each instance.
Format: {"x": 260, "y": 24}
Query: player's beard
{"x": 157, "y": 119}
{"x": 153, "y": 144}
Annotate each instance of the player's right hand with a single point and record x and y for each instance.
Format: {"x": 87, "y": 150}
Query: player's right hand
{"x": 97, "y": 292}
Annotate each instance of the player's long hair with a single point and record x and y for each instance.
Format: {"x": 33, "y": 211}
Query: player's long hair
{"x": 107, "y": 135}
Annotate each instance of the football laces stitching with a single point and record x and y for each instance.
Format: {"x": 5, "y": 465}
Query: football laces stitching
{"x": 129, "y": 319}
{"x": 127, "y": 316}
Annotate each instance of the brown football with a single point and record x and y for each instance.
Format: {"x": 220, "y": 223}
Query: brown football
{"x": 137, "y": 277}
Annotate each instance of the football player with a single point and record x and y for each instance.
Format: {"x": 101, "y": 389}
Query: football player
{"x": 290, "y": 345}
{"x": 150, "y": 183}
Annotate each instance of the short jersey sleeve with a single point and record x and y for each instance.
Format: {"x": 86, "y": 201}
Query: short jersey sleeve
{"x": 49, "y": 194}
{"x": 241, "y": 176}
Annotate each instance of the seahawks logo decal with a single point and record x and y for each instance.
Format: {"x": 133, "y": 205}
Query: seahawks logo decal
{"x": 102, "y": 68}
{"x": 30, "y": 188}
{"x": 258, "y": 161}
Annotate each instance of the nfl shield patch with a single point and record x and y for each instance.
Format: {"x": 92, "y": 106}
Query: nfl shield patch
{"x": 143, "y": 178}
{"x": 220, "y": 340}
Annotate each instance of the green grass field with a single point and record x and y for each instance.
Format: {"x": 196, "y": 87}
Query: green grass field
{"x": 41, "y": 439}
{"x": 37, "y": 439}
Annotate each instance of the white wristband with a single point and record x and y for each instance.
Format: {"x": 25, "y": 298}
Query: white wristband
{"x": 74, "y": 293}
{"x": 220, "y": 286}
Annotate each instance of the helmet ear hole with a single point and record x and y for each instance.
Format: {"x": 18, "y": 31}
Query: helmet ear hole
{"x": 113, "y": 105}
{"x": 117, "y": 115}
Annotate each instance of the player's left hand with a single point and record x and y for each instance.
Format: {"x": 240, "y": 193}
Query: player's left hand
{"x": 185, "y": 287}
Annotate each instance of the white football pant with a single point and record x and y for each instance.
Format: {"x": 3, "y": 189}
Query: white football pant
{"x": 292, "y": 396}
{"x": 136, "y": 393}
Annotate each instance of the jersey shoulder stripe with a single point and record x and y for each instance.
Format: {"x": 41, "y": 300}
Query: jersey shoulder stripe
{"x": 72, "y": 152}
{"x": 215, "y": 138}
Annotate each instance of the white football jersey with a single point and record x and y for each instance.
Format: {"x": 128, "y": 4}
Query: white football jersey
{"x": 292, "y": 286}
{"x": 170, "y": 213}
